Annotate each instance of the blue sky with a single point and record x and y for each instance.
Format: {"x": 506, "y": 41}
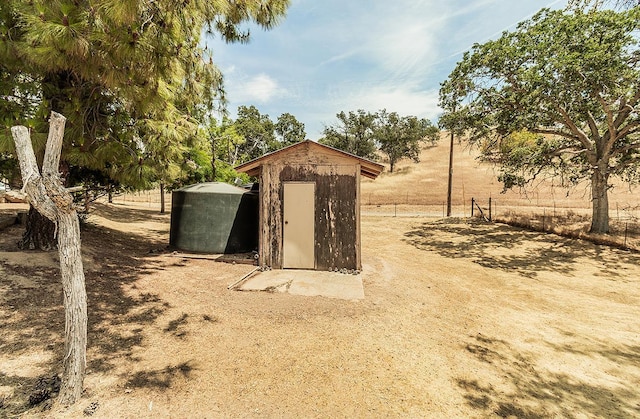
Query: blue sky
{"x": 329, "y": 56}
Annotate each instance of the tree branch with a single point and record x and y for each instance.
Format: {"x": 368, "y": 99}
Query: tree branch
{"x": 555, "y": 132}
{"x": 580, "y": 135}
{"x": 628, "y": 163}
{"x": 634, "y": 100}
{"x": 613, "y": 132}
{"x": 634, "y": 146}
{"x": 623, "y": 113}
{"x": 31, "y": 179}
{"x": 51, "y": 162}
{"x": 593, "y": 126}
{"x": 567, "y": 150}
{"x": 626, "y": 108}
{"x": 26, "y": 156}
{"x": 630, "y": 128}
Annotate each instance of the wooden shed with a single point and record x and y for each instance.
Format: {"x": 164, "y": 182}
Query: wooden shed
{"x": 309, "y": 204}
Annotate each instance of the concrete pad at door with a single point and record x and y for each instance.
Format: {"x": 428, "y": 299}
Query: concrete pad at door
{"x": 308, "y": 283}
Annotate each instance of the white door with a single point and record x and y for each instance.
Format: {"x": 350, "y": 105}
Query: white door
{"x": 298, "y": 249}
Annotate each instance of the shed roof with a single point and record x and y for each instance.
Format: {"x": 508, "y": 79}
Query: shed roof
{"x": 368, "y": 168}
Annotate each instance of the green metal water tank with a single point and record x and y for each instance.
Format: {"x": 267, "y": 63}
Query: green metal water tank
{"x": 214, "y": 217}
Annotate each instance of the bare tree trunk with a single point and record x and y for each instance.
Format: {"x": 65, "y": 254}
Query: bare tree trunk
{"x": 162, "y": 209}
{"x": 599, "y": 202}
{"x": 39, "y": 233}
{"x": 213, "y": 159}
{"x": 47, "y": 195}
{"x": 75, "y": 303}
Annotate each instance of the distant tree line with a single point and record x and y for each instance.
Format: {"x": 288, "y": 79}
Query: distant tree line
{"x": 368, "y": 135}
{"x": 229, "y": 142}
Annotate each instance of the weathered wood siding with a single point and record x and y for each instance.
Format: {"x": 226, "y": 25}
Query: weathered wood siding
{"x": 337, "y": 234}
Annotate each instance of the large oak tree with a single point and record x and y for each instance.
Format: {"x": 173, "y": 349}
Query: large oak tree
{"x": 401, "y": 137}
{"x": 353, "y": 133}
{"x": 559, "y": 95}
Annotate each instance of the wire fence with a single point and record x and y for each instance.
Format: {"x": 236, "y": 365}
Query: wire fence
{"x": 151, "y": 199}
{"x": 564, "y": 218}
{"x": 569, "y": 220}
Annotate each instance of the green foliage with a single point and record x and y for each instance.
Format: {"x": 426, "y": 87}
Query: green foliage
{"x": 9, "y": 169}
{"x": 226, "y": 173}
{"x": 364, "y": 134}
{"x": 354, "y": 133}
{"x": 569, "y": 76}
{"x": 598, "y": 4}
{"x": 197, "y": 162}
{"x": 289, "y": 130}
{"x": 195, "y": 168}
{"x": 131, "y": 76}
{"x": 257, "y": 131}
{"x": 402, "y": 136}
{"x": 226, "y": 143}
{"x": 254, "y": 134}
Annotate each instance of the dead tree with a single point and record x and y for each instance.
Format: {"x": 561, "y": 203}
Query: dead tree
{"x": 47, "y": 195}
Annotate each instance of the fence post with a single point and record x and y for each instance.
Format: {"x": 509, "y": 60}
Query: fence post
{"x": 490, "y": 219}
{"x": 473, "y": 201}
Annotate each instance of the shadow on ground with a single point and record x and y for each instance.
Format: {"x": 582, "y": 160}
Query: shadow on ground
{"x": 122, "y": 214}
{"x": 33, "y": 319}
{"x": 536, "y": 393}
{"x": 161, "y": 378}
{"x": 499, "y": 246}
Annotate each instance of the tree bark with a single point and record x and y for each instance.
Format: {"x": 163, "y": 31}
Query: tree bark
{"x": 47, "y": 195}
{"x": 162, "y": 209}
{"x": 213, "y": 159}
{"x": 600, "y": 200}
{"x": 75, "y": 303}
{"x": 39, "y": 233}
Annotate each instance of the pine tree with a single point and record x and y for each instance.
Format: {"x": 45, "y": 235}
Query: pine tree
{"x": 131, "y": 76}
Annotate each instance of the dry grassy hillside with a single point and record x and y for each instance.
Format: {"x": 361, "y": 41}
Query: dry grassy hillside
{"x": 424, "y": 184}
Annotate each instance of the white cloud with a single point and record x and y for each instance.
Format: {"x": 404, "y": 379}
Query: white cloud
{"x": 406, "y": 40}
{"x": 396, "y": 37}
{"x": 260, "y": 88}
{"x": 337, "y": 55}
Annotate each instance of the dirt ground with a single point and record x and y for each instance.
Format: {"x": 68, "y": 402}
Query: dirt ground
{"x": 460, "y": 319}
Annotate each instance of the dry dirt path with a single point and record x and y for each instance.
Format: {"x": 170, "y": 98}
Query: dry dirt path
{"x": 512, "y": 322}
{"x": 459, "y": 320}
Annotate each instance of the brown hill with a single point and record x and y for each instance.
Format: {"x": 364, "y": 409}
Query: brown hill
{"x": 423, "y": 187}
